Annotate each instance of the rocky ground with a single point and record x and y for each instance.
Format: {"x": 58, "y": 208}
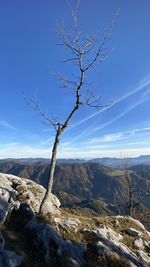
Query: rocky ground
{"x": 64, "y": 237}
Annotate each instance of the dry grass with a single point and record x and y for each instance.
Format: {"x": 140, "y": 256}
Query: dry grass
{"x": 118, "y": 224}
{"x": 107, "y": 261}
{"x": 34, "y": 190}
{"x": 18, "y": 238}
{"x": 129, "y": 242}
{"x": 20, "y": 194}
{"x": 125, "y": 223}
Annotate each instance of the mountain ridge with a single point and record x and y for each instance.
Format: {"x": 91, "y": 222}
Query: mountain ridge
{"x": 71, "y": 237}
{"x": 78, "y": 182}
{"x": 108, "y": 161}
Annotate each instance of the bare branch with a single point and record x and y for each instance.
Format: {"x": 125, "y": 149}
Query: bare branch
{"x": 70, "y": 60}
{"x": 34, "y": 103}
{"x": 67, "y": 41}
{"x": 91, "y": 100}
{"x": 69, "y": 84}
{"x": 133, "y": 194}
{"x": 85, "y": 52}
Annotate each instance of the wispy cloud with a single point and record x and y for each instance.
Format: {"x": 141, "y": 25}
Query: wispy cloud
{"x": 48, "y": 141}
{"x": 23, "y": 151}
{"x": 82, "y": 153}
{"x": 118, "y": 136}
{"x": 87, "y": 132}
{"x": 139, "y": 130}
{"x": 65, "y": 144}
{"x": 107, "y": 138}
{"x": 16, "y": 150}
{"x": 47, "y": 130}
{"x": 7, "y": 125}
{"x": 126, "y": 111}
{"x": 12, "y": 144}
{"x": 142, "y": 84}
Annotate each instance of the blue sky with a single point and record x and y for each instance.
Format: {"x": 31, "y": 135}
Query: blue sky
{"x": 29, "y": 54}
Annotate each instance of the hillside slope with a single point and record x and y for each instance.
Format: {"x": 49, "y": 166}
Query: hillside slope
{"x": 79, "y": 182}
{"x": 68, "y": 238}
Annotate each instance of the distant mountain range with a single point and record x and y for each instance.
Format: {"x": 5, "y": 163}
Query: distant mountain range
{"x": 80, "y": 182}
{"x": 110, "y": 162}
{"x": 118, "y": 162}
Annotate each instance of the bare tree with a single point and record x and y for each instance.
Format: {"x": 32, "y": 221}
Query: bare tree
{"x": 131, "y": 196}
{"x": 85, "y": 53}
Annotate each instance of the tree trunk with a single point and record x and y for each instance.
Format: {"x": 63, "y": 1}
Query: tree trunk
{"x": 52, "y": 168}
{"x": 130, "y": 208}
{"x": 59, "y": 131}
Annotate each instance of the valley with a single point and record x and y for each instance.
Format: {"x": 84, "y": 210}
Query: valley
{"x": 91, "y": 185}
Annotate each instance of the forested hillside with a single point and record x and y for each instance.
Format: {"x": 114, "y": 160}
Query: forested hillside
{"x": 78, "y": 182}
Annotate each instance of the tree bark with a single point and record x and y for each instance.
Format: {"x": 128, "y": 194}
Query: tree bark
{"x": 60, "y": 130}
{"x": 85, "y": 53}
{"x": 52, "y": 168}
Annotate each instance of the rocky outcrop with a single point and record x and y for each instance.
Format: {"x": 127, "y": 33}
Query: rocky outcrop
{"x": 68, "y": 238}
{"x": 112, "y": 242}
{"x": 67, "y": 223}
{"x": 15, "y": 190}
{"x": 53, "y": 245}
{"x": 51, "y": 206}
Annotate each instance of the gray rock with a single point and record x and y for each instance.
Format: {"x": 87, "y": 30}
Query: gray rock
{"x": 143, "y": 256}
{"x": 132, "y": 220}
{"x": 67, "y": 223}
{"x": 110, "y": 233}
{"x": 52, "y": 241}
{"x": 138, "y": 243}
{"x": 117, "y": 247}
{"x": 4, "y": 209}
{"x": 133, "y": 232}
{"x": 101, "y": 249}
{"x": 51, "y": 206}
{"x": 13, "y": 187}
{"x": 147, "y": 245}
